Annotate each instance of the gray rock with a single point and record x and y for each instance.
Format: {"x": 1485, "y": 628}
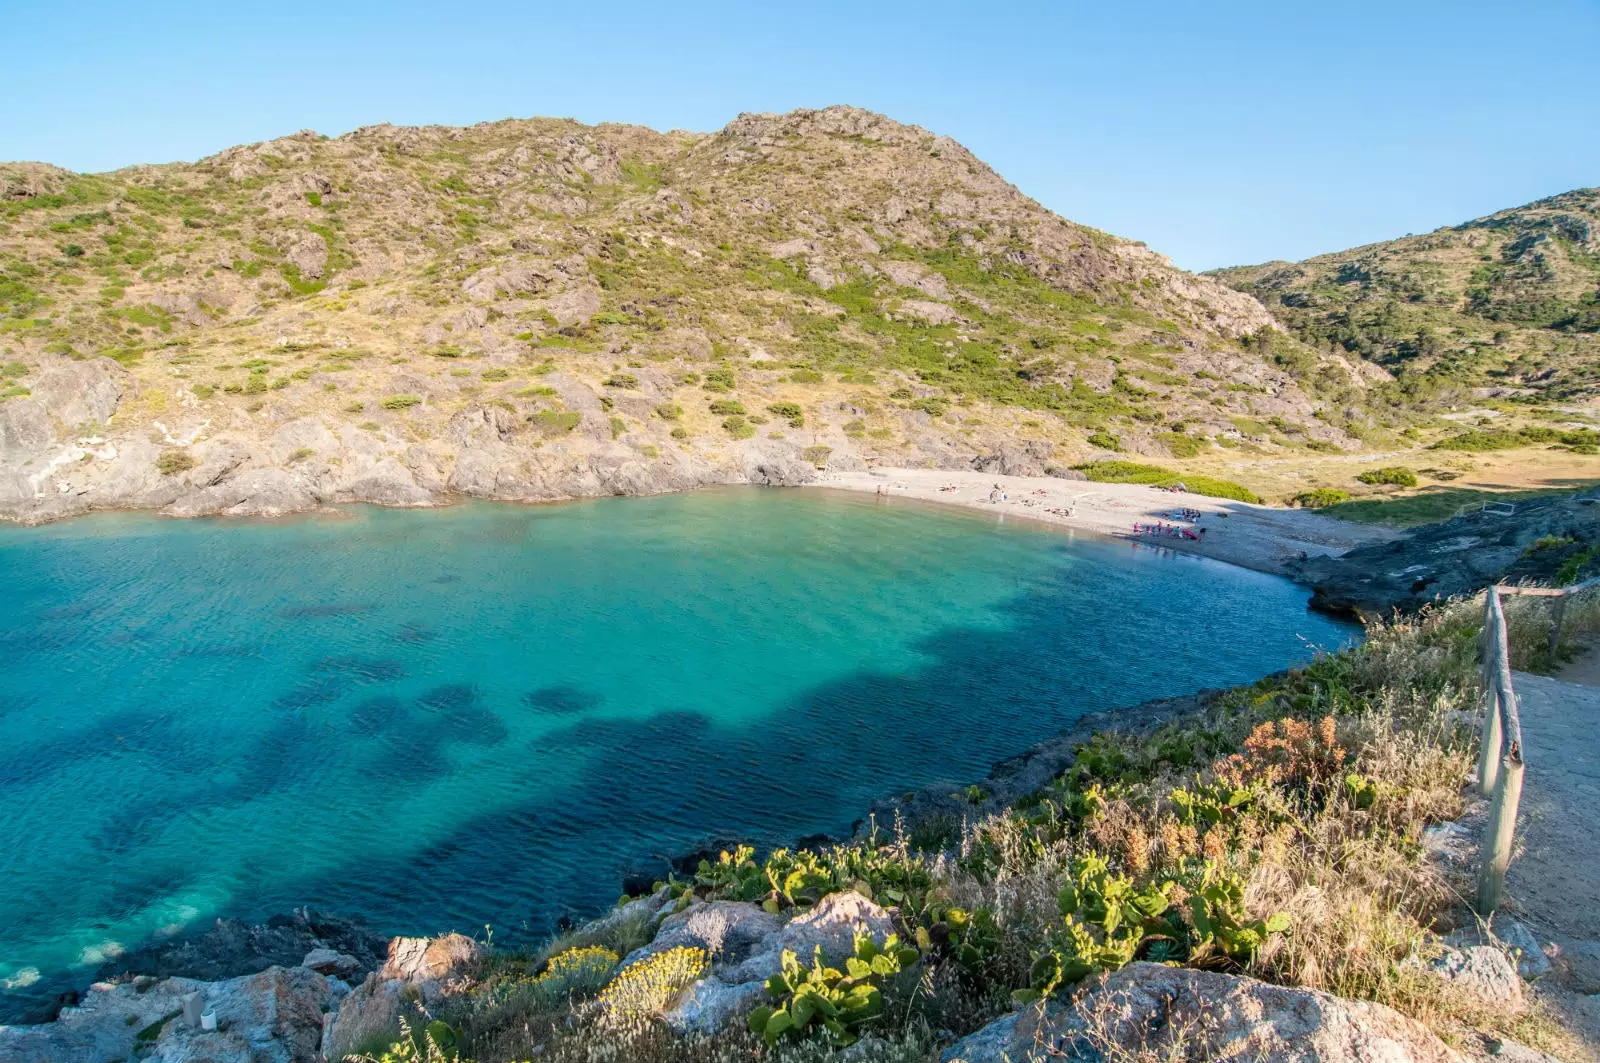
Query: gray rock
{"x": 271, "y": 1017}
{"x": 1583, "y": 966}
{"x": 1483, "y": 971}
{"x": 371, "y": 1013}
{"x": 775, "y": 463}
{"x": 1180, "y": 1013}
{"x": 388, "y": 483}
{"x": 101, "y": 1029}
{"x": 831, "y": 926}
{"x": 24, "y": 427}
{"x": 711, "y": 1005}
{"x": 266, "y": 492}
{"x": 309, "y": 254}
{"x": 571, "y": 307}
{"x": 1025, "y": 458}
{"x": 301, "y": 434}
{"x": 330, "y": 961}
{"x": 81, "y": 392}
{"x": 1509, "y": 936}
{"x": 729, "y": 931}
{"x": 274, "y": 1016}
{"x": 1531, "y": 960}
{"x": 1454, "y": 557}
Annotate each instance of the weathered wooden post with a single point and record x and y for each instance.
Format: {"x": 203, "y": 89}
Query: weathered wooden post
{"x": 1490, "y": 740}
{"x": 1558, "y": 612}
{"x": 1500, "y": 832}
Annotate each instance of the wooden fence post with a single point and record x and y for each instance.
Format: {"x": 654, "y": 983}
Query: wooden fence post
{"x": 1500, "y": 832}
{"x": 1491, "y": 737}
{"x": 1490, "y": 743}
{"x": 1558, "y": 612}
{"x": 1498, "y": 835}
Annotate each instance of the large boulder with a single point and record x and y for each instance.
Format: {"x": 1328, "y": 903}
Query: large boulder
{"x": 101, "y": 1029}
{"x": 275, "y": 1016}
{"x": 417, "y": 970}
{"x": 1148, "y": 1010}
{"x": 831, "y": 926}
{"x": 81, "y": 392}
{"x": 369, "y": 1015}
{"x": 427, "y": 962}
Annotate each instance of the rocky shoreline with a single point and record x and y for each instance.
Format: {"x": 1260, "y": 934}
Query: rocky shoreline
{"x": 1545, "y": 541}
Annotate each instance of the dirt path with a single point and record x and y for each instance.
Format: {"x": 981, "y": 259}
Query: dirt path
{"x": 1555, "y": 881}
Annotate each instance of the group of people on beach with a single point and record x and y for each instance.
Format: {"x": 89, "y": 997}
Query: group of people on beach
{"x": 1172, "y": 531}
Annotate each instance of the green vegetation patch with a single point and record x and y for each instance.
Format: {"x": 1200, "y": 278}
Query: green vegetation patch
{"x": 1129, "y": 472}
{"x": 1389, "y": 475}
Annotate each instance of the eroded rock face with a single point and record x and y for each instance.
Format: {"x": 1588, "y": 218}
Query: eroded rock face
{"x": 419, "y": 961}
{"x": 24, "y": 427}
{"x": 417, "y": 970}
{"x": 1190, "y": 1014}
{"x": 81, "y": 392}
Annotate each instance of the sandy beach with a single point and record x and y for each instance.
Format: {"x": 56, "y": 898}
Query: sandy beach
{"x": 1257, "y": 537}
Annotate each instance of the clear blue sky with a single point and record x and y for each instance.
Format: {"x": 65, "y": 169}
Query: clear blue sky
{"x": 1218, "y": 133}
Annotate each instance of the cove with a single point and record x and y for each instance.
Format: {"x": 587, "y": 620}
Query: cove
{"x": 486, "y": 714}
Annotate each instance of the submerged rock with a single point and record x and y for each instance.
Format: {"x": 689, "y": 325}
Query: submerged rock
{"x": 231, "y": 947}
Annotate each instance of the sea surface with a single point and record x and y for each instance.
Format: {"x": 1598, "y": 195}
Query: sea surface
{"x": 485, "y": 715}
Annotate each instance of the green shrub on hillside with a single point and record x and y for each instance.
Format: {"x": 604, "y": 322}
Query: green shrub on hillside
{"x": 1396, "y": 475}
{"x": 555, "y": 422}
{"x": 1181, "y": 445}
{"x": 171, "y": 462}
{"x": 1320, "y": 497}
{"x": 789, "y": 411}
{"x": 1105, "y": 441}
{"x": 400, "y": 402}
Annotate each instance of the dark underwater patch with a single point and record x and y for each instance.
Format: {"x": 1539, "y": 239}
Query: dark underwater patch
{"x": 562, "y": 700}
{"x": 374, "y": 716}
{"x": 218, "y": 652}
{"x": 370, "y": 669}
{"x": 314, "y": 612}
{"x": 448, "y": 697}
{"x": 414, "y": 633}
{"x": 318, "y": 691}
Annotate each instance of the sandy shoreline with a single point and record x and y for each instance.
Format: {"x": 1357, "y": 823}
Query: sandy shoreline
{"x": 1255, "y": 537}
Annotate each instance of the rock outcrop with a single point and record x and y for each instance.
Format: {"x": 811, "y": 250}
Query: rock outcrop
{"x": 746, "y": 945}
{"x": 1454, "y": 557}
{"x": 274, "y": 1016}
{"x": 1147, "y": 1010}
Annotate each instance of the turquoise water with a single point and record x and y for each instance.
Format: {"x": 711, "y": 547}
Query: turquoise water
{"x": 486, "y": 714}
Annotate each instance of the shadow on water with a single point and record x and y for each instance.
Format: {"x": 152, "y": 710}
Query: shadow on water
{"x": 644, "y": 788}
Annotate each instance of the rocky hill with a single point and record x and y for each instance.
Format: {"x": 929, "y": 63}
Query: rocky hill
{"x": 540, "y": 309}
{"x": 1508, "y": 304}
